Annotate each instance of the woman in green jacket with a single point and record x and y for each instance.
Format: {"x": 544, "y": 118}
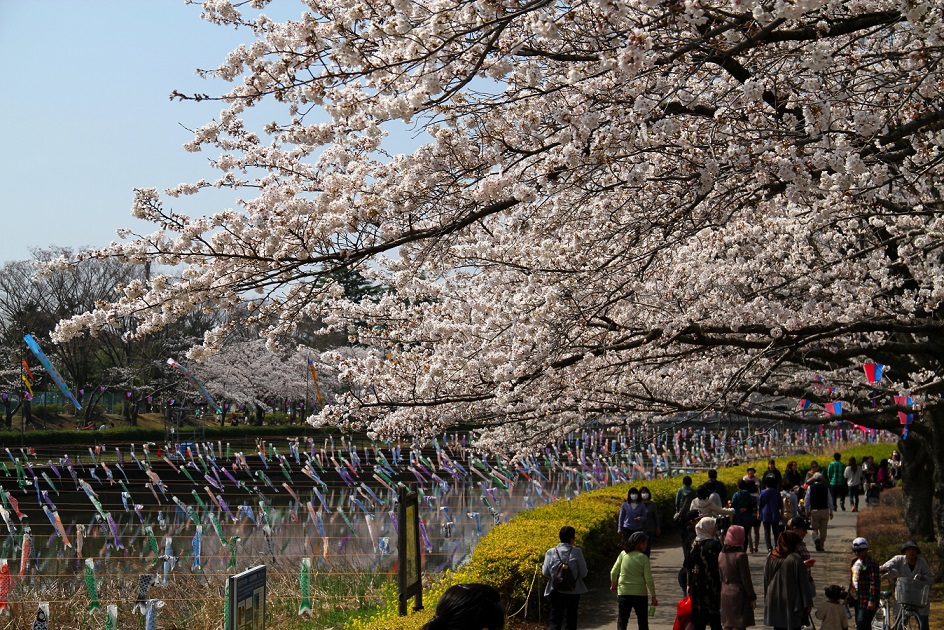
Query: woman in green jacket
{"x": 631, "y": 580}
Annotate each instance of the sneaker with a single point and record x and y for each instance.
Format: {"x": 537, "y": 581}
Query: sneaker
{"x": 855, "y": 509}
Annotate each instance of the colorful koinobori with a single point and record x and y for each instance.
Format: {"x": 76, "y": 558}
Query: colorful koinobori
{"x": 193, "y": 381}
{"x": 338, "y": 503}
{"x": 51, "y": 370}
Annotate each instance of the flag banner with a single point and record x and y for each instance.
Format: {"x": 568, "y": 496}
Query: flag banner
{"x": 873, "y": 372}
{"x": 834, "y": 408}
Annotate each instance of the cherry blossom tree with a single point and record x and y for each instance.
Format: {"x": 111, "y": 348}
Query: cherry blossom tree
{"x": 619, "y": 207}
{"x": 247, "y": 373}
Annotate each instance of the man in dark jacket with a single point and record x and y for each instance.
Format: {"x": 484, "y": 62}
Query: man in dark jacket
{"x": 717, "y": 487}
{"x": 819, "y": 509}
{"x": 774, "y": 473}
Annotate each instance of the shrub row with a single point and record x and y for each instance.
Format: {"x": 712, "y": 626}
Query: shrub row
{"x": 509, "y": 557}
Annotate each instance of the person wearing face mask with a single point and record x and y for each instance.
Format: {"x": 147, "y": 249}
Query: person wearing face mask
{"x": 632, "y": 516}
{"x": 652, "y": 526}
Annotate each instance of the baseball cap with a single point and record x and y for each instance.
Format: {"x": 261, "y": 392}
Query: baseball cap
{"x": 860, "y": 544}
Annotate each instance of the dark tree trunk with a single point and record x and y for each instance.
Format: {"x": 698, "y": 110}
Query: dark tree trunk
{"x": 917, "y": 469}
{"x": 937, "y": 486}
{"x": 90, "y": 407}
{"x": 260, "y": 415}
{"x": 134, "y": 411}
{"x": 9, "y": 410}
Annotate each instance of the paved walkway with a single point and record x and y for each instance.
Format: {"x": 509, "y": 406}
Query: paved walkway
{"x": 598, "y": 607}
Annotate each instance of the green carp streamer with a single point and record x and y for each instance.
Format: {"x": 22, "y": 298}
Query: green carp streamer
{"x": 304, "y": 579}
{"x": 90, "y": 583}
{"x": 111, "y": 617}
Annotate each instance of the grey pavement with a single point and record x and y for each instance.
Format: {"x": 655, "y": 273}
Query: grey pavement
{"x": 598, "y": 607}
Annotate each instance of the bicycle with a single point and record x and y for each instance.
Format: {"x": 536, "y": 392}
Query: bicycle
{"x": 910, "y": 596}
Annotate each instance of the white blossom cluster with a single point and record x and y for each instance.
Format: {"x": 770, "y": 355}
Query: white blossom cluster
{"x": 624, "y": 207}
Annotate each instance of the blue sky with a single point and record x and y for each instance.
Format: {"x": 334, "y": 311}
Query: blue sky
{"x": 85, "y": 115}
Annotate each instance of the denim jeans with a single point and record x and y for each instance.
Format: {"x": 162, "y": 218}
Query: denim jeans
{"x": 863, "y": 618}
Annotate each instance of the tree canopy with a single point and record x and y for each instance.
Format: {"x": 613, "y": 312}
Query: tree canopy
{"x": 622, "y": 206}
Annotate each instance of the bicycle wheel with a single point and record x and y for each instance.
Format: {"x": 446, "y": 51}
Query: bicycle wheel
{"x": 882, "y": 619}
{"x": 909, "y": 621}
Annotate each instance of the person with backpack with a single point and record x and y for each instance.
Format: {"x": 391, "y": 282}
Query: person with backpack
{"x": 683, "y": 500}
{"x": 631, "y": 580}
{"x": 564, "y": 568}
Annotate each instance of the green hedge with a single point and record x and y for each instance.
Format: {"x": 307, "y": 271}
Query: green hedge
{"x": 509, "y": 556}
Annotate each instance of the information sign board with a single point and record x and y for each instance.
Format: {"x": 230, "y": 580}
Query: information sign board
{"x": 247, "y": 595}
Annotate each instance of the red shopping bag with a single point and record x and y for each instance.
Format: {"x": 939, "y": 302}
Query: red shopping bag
{"x": 683, "y": 614}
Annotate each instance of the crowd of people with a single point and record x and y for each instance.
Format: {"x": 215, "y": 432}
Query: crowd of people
{"x": 717, "y": 535}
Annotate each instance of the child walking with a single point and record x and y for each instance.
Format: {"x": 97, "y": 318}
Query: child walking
{"x": 833, "y": 614}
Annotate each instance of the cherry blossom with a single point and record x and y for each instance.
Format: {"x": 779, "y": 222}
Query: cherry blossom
{"x": 620, "y": 209}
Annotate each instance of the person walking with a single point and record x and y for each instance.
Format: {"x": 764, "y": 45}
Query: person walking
{"x": 652, "y": 526}
{"x": 688, "y": 539}
{"x": 837, "y": 483}
{"x": 753, "y": 487}
{"x": 632, "y": 515}
{"x": 704, "y": 578}
{"x": 772, "y": 473}
{"x": 745, "y": 508}
{"x": 814, "y": 469}
{"x": 706, "y": 505}
{"x": 468, "y": 607}
{"x": 788, "y": 595}
{"x": 819, "y": 510}
{"x": 738, "y": 598}
{"x": 865, "y": 584}
{"x": 853, "y": 476}
{"x": 716, "y": 487}
{"x": 683, "y": 500}
{"x": 771, "y": 512}
{"x": 564, "y": 604}
{"x": 795, "y": 477}
{"x": 832, "y": 615}
{"x": 631, "y": 580}
{"x": 909, "y": 566}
